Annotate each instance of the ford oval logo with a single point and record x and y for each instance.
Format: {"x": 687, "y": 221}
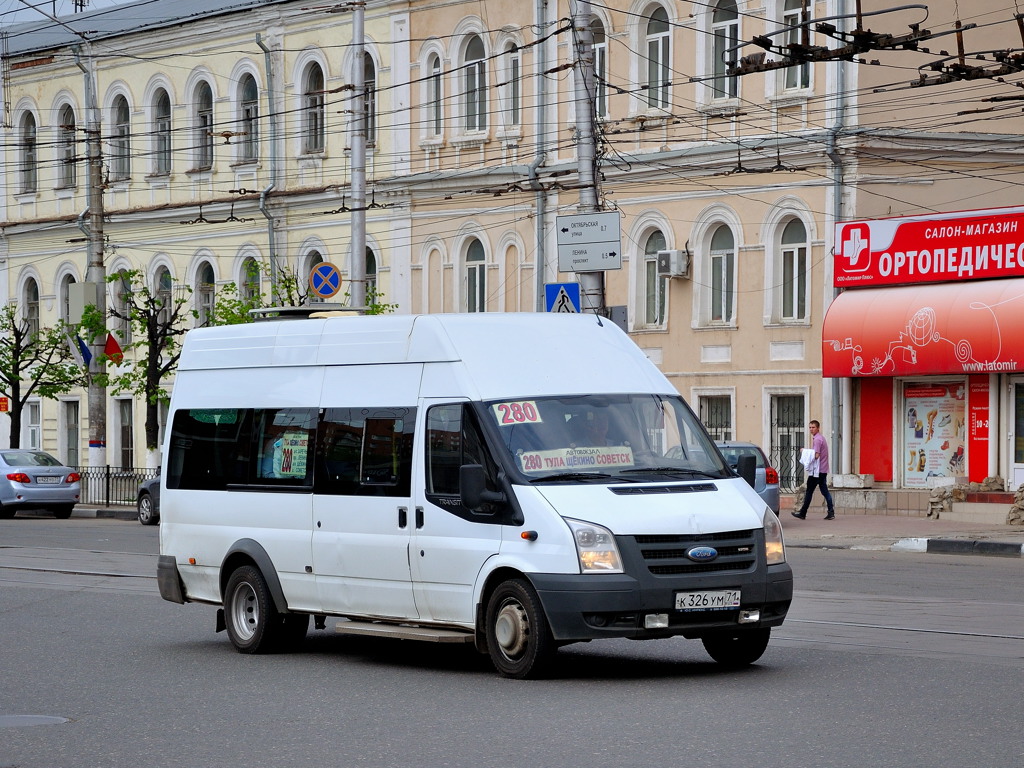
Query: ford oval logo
{"x": 702, "y": 554}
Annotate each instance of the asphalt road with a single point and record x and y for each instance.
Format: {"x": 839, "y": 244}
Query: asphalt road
{"x": 887, "y": 658}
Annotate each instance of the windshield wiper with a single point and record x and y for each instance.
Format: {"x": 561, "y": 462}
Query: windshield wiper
{"x": 668, "y": 470}
{"x": 572, "y": 476}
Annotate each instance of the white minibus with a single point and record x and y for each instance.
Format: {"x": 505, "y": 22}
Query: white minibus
{"x": 516, "y": 481}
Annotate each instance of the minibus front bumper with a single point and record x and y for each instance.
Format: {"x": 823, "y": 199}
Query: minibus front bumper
{"x": 592, "y": 606}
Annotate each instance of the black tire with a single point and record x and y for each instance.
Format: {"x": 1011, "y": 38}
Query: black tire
{"x": 738, "y": 650}
{"x": 63, "y": 512}
{"x": 518, "y": 635}
{"x": 252, "y": 620}
{"x": 6, "y": 513}
{"x": 147, "y": 515}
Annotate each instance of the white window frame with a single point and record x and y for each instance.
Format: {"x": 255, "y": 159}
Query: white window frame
{"x": 435, "y": 96}
{"x": 248, "y": 119}
{"x": 476, "y": 276}
{"x": 121, "y": 139}
{"x": 600, "y": 67}
{"x": 725, "y": 35}
{"x": 67, "y": 148}
{"x": 161, "y": 134}
{"x": 314, "y": 129}
{"x": 795, "y": 78}
{"x": 655, "y": 287}
{"x": 203, "y": 125}
{"x": 28, "y": 140}
{"x": 657, "y": 61}
{"x": 474, "y": 87}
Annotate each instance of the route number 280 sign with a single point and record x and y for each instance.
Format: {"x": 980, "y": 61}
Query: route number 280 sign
{"x": 519, "y": 412}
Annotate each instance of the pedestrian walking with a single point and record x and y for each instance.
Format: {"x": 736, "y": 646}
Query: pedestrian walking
{"x": 815, "y": 461}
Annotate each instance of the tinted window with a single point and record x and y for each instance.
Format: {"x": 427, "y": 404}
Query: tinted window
{"x": 365, "y": 452}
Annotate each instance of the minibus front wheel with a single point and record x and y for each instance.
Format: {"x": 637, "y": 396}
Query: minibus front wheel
{"x": 252, "y": 620}
{"x": 519, "y": 639}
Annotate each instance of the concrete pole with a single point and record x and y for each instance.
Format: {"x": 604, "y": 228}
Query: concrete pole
{"x": 591, "y": 283}
{"x": 357, "y": 266}
{"x": 96, "y": 271}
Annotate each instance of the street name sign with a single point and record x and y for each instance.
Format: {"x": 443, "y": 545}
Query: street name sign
{"x": 589, "y": 242}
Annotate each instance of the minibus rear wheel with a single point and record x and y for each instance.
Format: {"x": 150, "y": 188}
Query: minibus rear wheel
{"x": 252, "y": 620}
{"x": 518, "y": 636}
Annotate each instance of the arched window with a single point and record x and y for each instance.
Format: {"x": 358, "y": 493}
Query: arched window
{"x": 659, "y": 59}
{"x": 725, "y": 28}
{"x": 121, "y": 140}
{"x": 475, "y": 86}
{"x": 600, "y": 66}
{"x": 122, "y": 287}
{"x": 476, "y": 277}
{"x": 370, "y": 99}
{"x": 29, "y": 156}
{"x": 654, "y": 286}
{"x": 249, "y": 284}
{"x": 795, "y": 267}
{"x": 203, "y": 140}
{"x": 32, "y": 306}
{"x": 513, "y": 86}
{"x": 204, "y": 294}
{"x": 163, "y": 286}
{"x": 67, "y": 148}
{"x": 162, "y": 133}
{"x": 313, "y": 109}
{"x": 723, "y": 275}
{"x": 64, "y": 298}
{"x": 249, "y": 117}
{"x": 435, "y": 96}
{"x": 793, "y": 15}
{"x": 371, "y": 276}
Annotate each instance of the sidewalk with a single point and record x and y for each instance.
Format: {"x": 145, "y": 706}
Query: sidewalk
{"x": 902, "y": 534}
{"x": 879, "y": 532}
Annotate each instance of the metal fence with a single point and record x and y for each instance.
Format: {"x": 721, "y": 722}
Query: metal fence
{"x": 112, "y": 485}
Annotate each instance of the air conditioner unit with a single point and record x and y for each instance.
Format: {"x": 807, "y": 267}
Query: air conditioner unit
{"x": 673, "y": 263}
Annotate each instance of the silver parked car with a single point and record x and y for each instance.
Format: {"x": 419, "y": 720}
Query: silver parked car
{"x": 35, "y": 480}
{"x": 766, "y": 478}
{"x": 149, "y": 501}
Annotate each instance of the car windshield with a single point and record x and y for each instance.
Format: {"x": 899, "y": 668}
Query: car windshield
{"x": 29, "y": 459}
{"x": 624, "y": 437}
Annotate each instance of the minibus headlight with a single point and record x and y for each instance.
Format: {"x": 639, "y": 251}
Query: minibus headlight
{"x": 774, "y": 547}
{"x": 595, "y": 547}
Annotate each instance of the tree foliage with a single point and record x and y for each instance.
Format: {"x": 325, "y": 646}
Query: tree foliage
{"x": 34, "y": 362}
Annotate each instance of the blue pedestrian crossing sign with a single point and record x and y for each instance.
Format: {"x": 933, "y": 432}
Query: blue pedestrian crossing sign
{"x": 325, "y": 280}
{"x": 562, "y": 297}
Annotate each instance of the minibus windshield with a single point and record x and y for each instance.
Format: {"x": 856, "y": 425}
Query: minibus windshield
{"x": 622, "y": 437}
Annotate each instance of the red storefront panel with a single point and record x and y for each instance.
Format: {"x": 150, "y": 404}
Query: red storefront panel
{"x": 943, "y": 328}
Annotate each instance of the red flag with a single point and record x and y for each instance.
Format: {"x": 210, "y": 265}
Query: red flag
{"x": 113, "y": 350}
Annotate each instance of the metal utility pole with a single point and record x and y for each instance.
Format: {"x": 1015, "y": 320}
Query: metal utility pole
{"x": 357, "y": 268}
{"x": 591, "y": 283}
{"x": 96, "y": 272}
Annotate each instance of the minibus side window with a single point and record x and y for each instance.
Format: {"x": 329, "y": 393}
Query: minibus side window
{"x": 284, "y": 441}
{"x": 365, "y": 452}
{"x": 453, "y": 439}
{"x": 209, "y": 448}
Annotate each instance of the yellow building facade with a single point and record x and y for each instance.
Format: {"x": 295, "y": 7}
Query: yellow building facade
{"x": 227, "y": 131}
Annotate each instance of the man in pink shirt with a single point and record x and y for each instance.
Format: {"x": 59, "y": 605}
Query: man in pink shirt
{"x": 817, "y": 476}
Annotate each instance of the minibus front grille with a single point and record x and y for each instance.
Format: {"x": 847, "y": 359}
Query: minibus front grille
{"x": 665, "y": 555}
{"x": 640, "y": 490}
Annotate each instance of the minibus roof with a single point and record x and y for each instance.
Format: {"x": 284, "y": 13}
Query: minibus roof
{"x": 503, "y": 354}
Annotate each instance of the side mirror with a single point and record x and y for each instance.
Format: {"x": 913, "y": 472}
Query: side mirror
{"x": 746, "y": 467}
{"x": 473, "y": 488}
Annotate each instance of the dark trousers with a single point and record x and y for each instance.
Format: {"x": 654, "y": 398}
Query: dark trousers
{"x": 817, "y": 481}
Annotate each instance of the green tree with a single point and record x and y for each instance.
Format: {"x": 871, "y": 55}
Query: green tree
{"x": 33, "y": 362}
{"x": 158, "y": 320}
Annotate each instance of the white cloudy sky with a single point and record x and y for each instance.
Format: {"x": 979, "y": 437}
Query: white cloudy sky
{"x": 16, "y": 11}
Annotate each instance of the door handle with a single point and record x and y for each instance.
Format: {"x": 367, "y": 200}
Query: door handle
{"x": 403, "y": 517}
{"x": 419, "y": 517}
